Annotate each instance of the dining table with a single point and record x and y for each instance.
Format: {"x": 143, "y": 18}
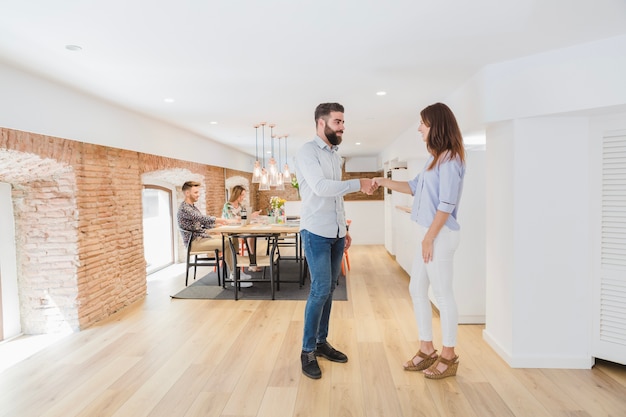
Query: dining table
{"x": 278, "y": 230}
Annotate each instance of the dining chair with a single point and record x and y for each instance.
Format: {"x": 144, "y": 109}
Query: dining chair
{"x": 254, "y": 258}
{"x": 202, "y": 257}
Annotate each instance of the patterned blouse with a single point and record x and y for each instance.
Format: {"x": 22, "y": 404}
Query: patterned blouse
{"x": 190, "y": 218}
{"x": 231, "y": 212}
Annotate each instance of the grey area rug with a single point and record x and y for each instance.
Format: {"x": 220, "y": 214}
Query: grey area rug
{"x": 206, "y": 287}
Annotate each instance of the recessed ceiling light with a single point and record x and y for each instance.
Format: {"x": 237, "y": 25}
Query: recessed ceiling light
{"x": 213, "y": 122}
{"x": 358, "y": 143}
{"x": 381, "y": 93}
{"x": 74, "y": 48}
{"x": 168, "y": 100}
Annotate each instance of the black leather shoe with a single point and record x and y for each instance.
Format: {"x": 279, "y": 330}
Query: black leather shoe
{"x": 310, "y": 367}
{"x": 325, "y": 350}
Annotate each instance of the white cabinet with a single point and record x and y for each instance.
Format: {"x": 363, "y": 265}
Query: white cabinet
{"x": 405, "y": 239}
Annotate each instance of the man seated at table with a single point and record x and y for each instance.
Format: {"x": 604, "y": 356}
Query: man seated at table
{"x": 190, "y": 218}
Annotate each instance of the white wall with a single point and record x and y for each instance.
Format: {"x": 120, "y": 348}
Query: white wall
{"x": 405, "y": 147}
{"x": 362, "y": 164}
{"x": 586, "y": 76}
{"x": 32, "y": 104}
{"x": 470, "y": 257}
{"x": 551, "y": 213}
{"x": 367, "y": 226}
{"x": 500, "y": 262}
{"x": 582, "y": 77}
{"x": 367, "y": 217}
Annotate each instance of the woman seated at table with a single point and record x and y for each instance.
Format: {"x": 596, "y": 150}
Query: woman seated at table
{"x": 232, "y": 210}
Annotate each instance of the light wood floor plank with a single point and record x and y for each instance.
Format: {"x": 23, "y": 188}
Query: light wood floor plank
{"x": 220, "y": 358}
{"x": 382, "y": 401}
{"x": 248, "y": 394}
{"x": 346, "y": 400}
{"x": 278, "y": 402}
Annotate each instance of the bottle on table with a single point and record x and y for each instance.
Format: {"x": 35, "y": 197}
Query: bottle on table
{"x": 244, "y": 216}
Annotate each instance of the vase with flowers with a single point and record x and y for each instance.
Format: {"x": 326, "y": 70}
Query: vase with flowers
{"x": 277, "y": 209}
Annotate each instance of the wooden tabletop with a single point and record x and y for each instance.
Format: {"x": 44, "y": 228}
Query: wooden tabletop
{"x": 260, "y": 228}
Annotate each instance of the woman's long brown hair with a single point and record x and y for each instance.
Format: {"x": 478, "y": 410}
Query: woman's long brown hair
{"x": 235, "y": 193}
{"x": 444, "y": 138}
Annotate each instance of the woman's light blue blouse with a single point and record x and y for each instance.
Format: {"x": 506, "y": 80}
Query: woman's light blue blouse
{"x": 438, "y": 189}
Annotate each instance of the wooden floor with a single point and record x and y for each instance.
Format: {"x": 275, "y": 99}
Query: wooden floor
{"x": 163, "y": 357}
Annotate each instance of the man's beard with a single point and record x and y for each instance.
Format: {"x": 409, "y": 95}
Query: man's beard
{"x": 332, "y": 137}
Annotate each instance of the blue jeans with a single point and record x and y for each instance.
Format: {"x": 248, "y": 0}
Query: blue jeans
{"x": 324, "y": 256}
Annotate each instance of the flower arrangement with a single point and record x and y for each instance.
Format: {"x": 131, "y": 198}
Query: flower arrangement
{"x": 277, "y": 203}
{"x": 277, "y": 210}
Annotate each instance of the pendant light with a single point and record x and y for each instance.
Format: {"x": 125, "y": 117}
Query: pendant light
{"x": 286, "y": 173}
{"x": 264, "y": 184}
{"x": 256, "y": 173}
{"x": 272, "y": 169}
{"x": 279, "y": 175}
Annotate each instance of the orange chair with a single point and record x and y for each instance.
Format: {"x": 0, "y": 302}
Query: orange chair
{"x": 345, "y": 262}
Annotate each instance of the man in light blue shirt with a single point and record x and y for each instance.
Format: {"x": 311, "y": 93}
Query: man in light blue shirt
{"x": 323, "y": 229}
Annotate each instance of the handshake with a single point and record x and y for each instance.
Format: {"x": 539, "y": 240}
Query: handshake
{"x": 369, "y": 185}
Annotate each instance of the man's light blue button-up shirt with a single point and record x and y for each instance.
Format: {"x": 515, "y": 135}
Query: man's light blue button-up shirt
{"x": 318, "y": 169}
{"x": 438, "y": 189}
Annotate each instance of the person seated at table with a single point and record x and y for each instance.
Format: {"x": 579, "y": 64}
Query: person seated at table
{"x": 190, "y": 218}
{"x": 232, "y": 210}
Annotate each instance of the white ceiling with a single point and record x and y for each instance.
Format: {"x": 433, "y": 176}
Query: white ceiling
{"x": 239, "y": 62}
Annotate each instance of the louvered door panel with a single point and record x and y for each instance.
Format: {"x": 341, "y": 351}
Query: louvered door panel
{"x": 610, "y": 343}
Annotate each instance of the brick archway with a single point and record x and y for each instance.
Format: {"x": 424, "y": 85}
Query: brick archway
{"x": 46, "y": 229}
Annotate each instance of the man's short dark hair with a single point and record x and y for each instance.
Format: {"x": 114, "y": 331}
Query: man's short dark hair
{"x": 190, "y": 184}
{"x": 325, "y": 109}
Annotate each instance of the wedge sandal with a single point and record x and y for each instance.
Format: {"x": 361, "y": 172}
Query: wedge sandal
{"x": 435, "y": 373}
{"x": 427, "y": 360}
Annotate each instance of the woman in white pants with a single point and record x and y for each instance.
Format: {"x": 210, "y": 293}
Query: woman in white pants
{"x": 437, "y": 192}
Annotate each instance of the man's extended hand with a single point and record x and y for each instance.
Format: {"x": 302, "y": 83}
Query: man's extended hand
{"x": 368, "y": 186}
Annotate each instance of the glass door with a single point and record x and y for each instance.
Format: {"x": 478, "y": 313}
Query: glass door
{"x": 157, "y": 228}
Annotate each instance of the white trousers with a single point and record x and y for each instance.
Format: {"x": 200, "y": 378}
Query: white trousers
{"x": 438, "y": 274}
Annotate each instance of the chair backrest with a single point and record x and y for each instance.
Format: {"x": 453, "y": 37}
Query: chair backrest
{"x": 192, "y": 235}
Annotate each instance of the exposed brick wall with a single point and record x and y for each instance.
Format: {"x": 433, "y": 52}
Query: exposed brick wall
{"x": 112, "y": 266}
{"x": 78, "y": 229}
{"x": 78, "y": 219}
{"x": 378, "y": 194}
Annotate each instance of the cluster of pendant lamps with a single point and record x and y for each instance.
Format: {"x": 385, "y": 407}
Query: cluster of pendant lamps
{"x": 270, "y": 175}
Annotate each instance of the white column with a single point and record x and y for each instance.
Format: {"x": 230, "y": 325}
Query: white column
{"x": 538, "y": 242}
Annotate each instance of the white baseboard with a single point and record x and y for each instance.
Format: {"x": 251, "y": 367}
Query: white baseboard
{"x": 538, "y": 361}
{"x": 471, "y": 319}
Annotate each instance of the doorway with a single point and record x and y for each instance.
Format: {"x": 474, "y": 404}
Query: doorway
{"x": 158, "y": 228}
{"x": 9, "y": 301}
